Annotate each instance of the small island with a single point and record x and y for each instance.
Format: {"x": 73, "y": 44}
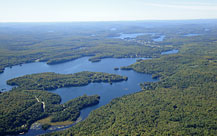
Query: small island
{"x": 28, "y": 102}
{"x": 51, "y": 81}
{"x": 138, "y": 60}
{"x": 95, "y": 60}
{"x": 116, "y": 68}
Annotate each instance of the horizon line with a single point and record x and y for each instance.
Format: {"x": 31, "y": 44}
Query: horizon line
{"x": 108, "y": 20}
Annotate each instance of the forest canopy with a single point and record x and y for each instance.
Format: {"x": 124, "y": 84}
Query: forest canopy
{"x": 183, "y": 102}
{"x": 50, "y": 81}
{"x": 21, "y": 108}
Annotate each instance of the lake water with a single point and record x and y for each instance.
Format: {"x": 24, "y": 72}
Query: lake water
{"x": 130, "y": 36}
{"x": 82, "y": 64}
{"x": 170, "y": 52}
{"x": 134, "y": 35}
{"x": 191, "y": 35}
{"x": 159, "y": 39}
{"x": 106, "y": 91}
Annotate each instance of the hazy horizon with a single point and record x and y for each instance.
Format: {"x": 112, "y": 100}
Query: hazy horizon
{"x": 171, "y": 20}
{"x": 105, "y": 10}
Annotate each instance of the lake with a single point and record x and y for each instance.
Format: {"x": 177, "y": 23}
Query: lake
{"x": 191, "y": 35}
{"x": 106, "y": 91}
{"x": 159, "y": 39}
{"x": 129, "y": 36}
{"x": 170, "y": 52}
{"x": 134, "y": 35}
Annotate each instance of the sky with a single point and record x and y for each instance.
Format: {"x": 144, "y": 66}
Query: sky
{"x": 105, "y": 10}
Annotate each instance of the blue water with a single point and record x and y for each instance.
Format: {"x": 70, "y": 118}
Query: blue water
{"x": 191, "y": 35}
{"x": 159, "y": 39}
{"x": 170, "y": 52}
{"x": 134, "y": 35}
{"x": 130, "y": 36}
{"x": 106, "y": 91}
{"x": 82, "y": 64}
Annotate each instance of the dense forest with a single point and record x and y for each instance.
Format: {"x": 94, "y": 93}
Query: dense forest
{"x": 71, "y": 110}
{"x": 53, "y": 43}
{"x": 183, "y": 102}
{"x": 21, "y": 108}
{"x": 50, "y": 81}
{"x": 27, "y": 106}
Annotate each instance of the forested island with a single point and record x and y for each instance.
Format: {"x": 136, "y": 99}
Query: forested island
{"x": 50, "y": 81}
{"x": 28, "y": 102}
{"x": 182, "y": 102}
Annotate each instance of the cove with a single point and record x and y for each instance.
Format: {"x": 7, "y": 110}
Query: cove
{"x": 78, "y": 65}
{"x": 106, "y": 91}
